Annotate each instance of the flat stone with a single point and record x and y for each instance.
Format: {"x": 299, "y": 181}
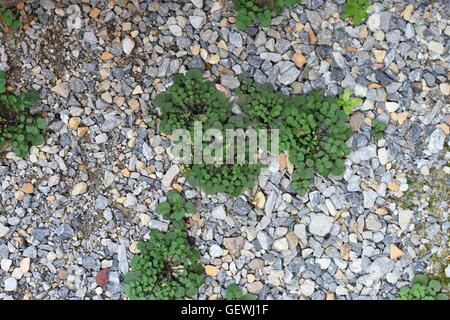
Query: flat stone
{"x": 3, "y": 230}
{"x": 170, "y": 175}
{"x": 320, "y": 225}
{"x": 219, "y": 213}
{"x": 436, "y": 143}
{"x": 79, "y": 188}
{"x": 373, "y": 223}
{"x": 404, "y": 219}
{"x": 10, "y": 284}
{"x": 230, "y": 82}
{"x": 281, "y": 244}
{"x": 308, "y": 287}
{"x": 436, "y": 47}
{"x": 127, "y": 45}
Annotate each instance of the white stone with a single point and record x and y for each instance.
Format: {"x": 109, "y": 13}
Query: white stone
{"x": 170, "y": 175}
{"x": 436, "y": 143}
{"x": 5, "y": 264}
{"x": 436, "y": 47}
{"x": 219, "y": 213}
{"x": 320, "y": 225}
{"x": 392, "y": 106}
{"x": 373, "y": 23}
{"x": 79, "y": 188}
{"x": 383, "y": 156}
{"x": 3, "y": 230}
{"x": 10, "y": 284}
{"x": 127, "y": 45}
{"x": 281, "y": 244}
{"x": 215, "y": 251}
{"x": 308, "y": 287}
{"x": 404, "y": 219}
{"x": 176, "y": 30}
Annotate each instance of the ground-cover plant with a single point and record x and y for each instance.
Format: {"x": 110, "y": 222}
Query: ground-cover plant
{"x": 312, "y": 131}
{"x": 175, "y": 208}
{"x": 229, "y": 178}
{"x": 166, "y": 267}
{"x": 234, "y": 292}
{"x": 356, "y": 10}
{"x": 378, "y": 129}
{"x": 312, "y": 128}
{"x": 260, "y": 11}
{"x": 189, "y": 99}
{"x": 8, "y": 19}
{"x": 17, "y": 124}
{"x": 423, "y": 288}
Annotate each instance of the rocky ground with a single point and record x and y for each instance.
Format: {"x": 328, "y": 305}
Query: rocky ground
{"x": 71, "y": 212}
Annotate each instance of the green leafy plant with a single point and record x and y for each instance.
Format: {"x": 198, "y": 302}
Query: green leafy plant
{"x": 17, "y": 124}
{"x": 234, "y": 292}
{"x": 250, "y": 11}
{"x": 166, "y": 268}
{"x": 175, "y": 207}
{"x": 355, "y": 9}
{"x": 379, "y": 128}
{"x": 347, "y": 102}
{"x": 190, "y": 99}
{"x": 422, "y": 288}
{"x": 312, "y": 128}
{"x": 8, "y": 19}
{"x": 232, "y": 178}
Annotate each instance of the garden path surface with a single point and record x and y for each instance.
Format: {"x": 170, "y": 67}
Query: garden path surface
{"x": 79, "y": 203}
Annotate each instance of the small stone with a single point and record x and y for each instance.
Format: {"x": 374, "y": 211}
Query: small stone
{"x": 436, "y": 143}
{"x": 445, "y": 89}
{"x": 383, "y": 156}
{"x": 230, "y": 82}
{"x": 64, "y": 231}
{"x": 130, "y": 200}
{"x": 211, "y": 271}
{"x": 215, "y": 251}
{"x": 373, "y": 223}
{"x": 176, "y": 30}
{"x": 219, "y": 213}
{"x": 5, "y": 264}
{"x": 62, "y": 89}
{"x": 395, "y": 252}
{"x": 102, "y": 277}
{"x": 436, "y": 47}
{"x": 79, "y": 188}
{"x": 281, "y": 244}
{"x": 10, "y": 284}
{"x": 106, "y": 56}
{"x": 264, "y": 240}
{"x": 404, "y": 219}
{"x": 25, "y": 265}
{"x": 299, "y": 59}
{"x": 255, "y": 287}
{"x": 170, "y": 175}
{"x": 27, "y": 188}
{"x": 373, "y": 22}
{"x": 307, "y": 288}
{"x": 356, "y": 120}
{"x": 74, "y": 123}
{"x": 127, "y": 45}
{"x": 392, "y": 106}
{"x": 369, "y": 198}
{"x": 3, "y": 230}
{"x": 234, "y": 245}
{"x": 259, "y": 200}
{"x": 379, "y": 55}
{"x": 407, "y": 13}
{"x": 320, "y": 225}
